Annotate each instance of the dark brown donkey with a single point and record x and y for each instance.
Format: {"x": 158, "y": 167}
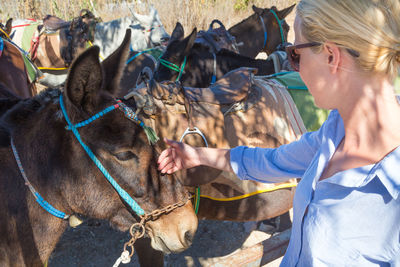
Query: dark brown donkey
{"x": 263, "y": 31}
{"x": 195, "y": 66}
{"x": 13, "y": 71}
{"x": 59, "y": 169}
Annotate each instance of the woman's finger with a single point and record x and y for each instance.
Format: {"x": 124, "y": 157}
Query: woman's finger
{"x": 165, "y": 160}
{"x": 169, "y": 168}
{"x": 164, "y": 154}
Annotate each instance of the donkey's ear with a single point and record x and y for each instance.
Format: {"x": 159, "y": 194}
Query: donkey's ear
{"x": 190, "y": 41}
{"x": 84, "y": 80}
{"x": 284, "y": 12}
{"x": 114, "y": 65}
{"x": 9, "y": 26}
{"x": 257, "y": 10}
{"x": 178, "y": 32}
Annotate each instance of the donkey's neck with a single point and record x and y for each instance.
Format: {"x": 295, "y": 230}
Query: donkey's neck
{"x": 229, "y": 61}
{"x": 251, "y": 33}
{"x": 40, "y": 229}
{"x": 109, "y": 35}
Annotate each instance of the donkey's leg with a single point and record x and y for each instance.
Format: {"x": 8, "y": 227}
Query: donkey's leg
{"x": 147, "y": 255}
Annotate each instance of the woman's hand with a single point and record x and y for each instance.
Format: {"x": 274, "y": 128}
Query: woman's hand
{"x": 177, "y": 157}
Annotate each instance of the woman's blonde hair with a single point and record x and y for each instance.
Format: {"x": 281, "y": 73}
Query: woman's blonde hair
{"x": 370, "y": 27}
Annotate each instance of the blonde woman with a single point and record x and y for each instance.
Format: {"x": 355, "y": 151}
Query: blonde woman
{"x": 347, "y": 204}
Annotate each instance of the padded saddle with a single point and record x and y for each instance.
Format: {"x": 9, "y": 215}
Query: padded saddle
{"x": 217, "y": 38}
{"x": 233, "y": 87}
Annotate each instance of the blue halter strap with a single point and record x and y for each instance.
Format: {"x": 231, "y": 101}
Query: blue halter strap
{"x": 1, "y": 46}
{"x": 280, "y": 25}
{"x": 123, "y": 194}
{"x": 265, "y": 29}
{"x": 39, "y": 199}
{"x": 140, "y": 53}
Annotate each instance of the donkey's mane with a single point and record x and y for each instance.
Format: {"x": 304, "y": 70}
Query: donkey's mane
{"x": 26, "y": 108}
{"x": 228, "y": 53}
{"x": 245, "y": 20}
{"x": 199, "y": 47}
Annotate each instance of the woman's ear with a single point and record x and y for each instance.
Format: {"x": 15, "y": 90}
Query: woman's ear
{"x": 333, "y": 55}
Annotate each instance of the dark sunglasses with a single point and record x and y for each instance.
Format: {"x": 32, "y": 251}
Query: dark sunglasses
{"x": 294, "y": 58}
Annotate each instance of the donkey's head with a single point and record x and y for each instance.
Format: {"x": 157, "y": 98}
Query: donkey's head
{"x": 151, "y": 27}
{"x": 6, "y": 29}
{"x": 195, "y": 66}
{"x": 118, "y": 139}
{"x": 276, "y": 29}
{"x": 177, "y": 56}
{"x": 81, "y": 31}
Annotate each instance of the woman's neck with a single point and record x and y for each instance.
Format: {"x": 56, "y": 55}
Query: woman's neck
{"x": 371, "y": 116}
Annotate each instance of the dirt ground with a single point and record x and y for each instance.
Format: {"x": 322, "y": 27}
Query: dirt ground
{"x": 100, "y": 245}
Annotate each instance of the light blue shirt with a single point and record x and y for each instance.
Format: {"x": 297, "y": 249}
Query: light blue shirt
{"x": 353, "y": 217}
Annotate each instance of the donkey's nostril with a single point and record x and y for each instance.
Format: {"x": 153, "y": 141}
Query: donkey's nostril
{"x": 189, "y": 235}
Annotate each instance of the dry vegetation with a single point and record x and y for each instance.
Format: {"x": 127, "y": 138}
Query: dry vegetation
{"x": 190, "y": 13}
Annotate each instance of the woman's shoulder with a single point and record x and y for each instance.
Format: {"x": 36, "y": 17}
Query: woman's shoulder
{"x": 333, "y": 124}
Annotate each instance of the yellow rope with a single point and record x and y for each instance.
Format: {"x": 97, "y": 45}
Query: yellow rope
{"x": 288, "y": 185}
{"x": 44, "y": 68}
{"x": 90, "y": 43}
{"x": 8, "y": 37}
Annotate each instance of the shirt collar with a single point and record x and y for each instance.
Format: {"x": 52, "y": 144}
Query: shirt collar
{"x": 387, "y": 170}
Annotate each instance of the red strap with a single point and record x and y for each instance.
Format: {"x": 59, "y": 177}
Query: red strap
{"x": 34, "y": 47}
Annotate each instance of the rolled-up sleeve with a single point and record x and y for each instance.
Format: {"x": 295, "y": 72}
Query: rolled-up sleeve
{"x": 277, "y": 164}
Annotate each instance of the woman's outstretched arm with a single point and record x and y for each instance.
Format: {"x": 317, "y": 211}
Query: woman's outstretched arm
{"x": 183, "y": 156}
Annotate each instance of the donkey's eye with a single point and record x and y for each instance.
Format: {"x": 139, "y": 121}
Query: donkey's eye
{"x": 126, "y": 155}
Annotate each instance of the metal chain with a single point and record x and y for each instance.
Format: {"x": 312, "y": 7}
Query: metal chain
{"x": 137, "y": 230}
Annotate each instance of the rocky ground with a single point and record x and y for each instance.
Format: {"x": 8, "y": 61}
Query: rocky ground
{"x": 100, "y": 245}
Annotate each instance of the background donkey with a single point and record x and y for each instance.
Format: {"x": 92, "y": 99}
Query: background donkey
{"x": 57, "y": 166}
{"x": 14, "y": 74}
{"x": 256, "y": 37}
{"x": 198, "y": 64}
{"x": 147, "y": 32}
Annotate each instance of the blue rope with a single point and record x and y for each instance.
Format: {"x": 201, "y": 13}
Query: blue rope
{"x": 49, "y": 208}
{"x": 91, "y": 119}
{"x": 297, "y": 88}
{"x": 1, "y": 46}
{"x": 213, "y": 79}
{"x": 138, "y": 54}
{"x": 265, "y": 31}
{"x": 43, "y": 203}
{"x": 123, "y": 194}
